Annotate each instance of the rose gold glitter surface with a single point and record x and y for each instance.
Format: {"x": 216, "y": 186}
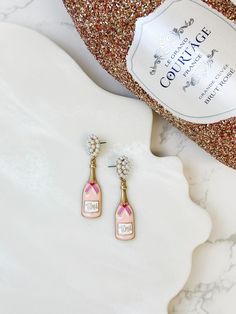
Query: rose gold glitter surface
{"x": 107, "y": 27}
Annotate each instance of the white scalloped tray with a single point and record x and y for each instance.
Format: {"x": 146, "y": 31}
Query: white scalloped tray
{"x": 52, "y": 260}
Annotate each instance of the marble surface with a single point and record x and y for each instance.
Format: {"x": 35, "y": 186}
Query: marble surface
{"x": 47, "y": 109}
{"x": 212, "y": 285}
{"x": 211, "y": 288}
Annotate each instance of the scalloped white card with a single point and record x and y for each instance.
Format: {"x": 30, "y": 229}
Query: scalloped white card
{"x": 51, "y": 259}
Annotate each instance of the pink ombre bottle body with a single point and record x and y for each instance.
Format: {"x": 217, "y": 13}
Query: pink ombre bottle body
{"x": 124, "y": 217}
{"x": 92, "y": 195}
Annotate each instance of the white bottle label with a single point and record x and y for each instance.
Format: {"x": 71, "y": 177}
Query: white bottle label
{"x": 125, "y": 229}
{"x": 184, "y": 56}
{"x": 91, "y": 206}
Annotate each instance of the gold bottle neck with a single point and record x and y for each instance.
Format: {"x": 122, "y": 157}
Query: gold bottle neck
{"x": 92, "y": 177}
{"x": 123, "y": 187}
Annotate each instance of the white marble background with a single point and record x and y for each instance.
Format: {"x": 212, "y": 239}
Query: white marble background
{"x": 211, "y": 288}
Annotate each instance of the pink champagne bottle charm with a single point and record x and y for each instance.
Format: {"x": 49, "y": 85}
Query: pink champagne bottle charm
{"x": 124, "y": 216}
{"x": 92, "y": 195}
{"x": 125, "y": 226}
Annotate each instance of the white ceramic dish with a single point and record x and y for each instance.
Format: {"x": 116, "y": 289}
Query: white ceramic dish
{"x": 53, "y": 260}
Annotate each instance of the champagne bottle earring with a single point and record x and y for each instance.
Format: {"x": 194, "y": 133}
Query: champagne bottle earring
{"x": 92, "y": 195}
{"x": 124, "y": 216}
